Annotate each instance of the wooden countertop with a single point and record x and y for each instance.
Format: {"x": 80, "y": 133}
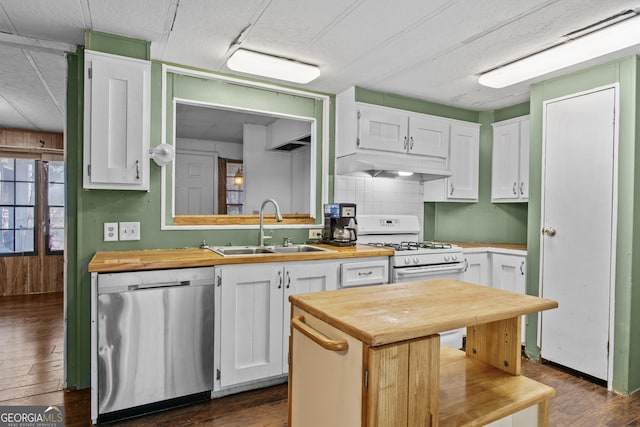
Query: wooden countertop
{"x": 154, "y": 259}
{"x": 386, "y": 314}
{"x": 512, "y": 246}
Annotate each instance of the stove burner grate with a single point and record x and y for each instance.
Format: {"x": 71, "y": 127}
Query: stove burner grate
{"x": 413, "y": 246}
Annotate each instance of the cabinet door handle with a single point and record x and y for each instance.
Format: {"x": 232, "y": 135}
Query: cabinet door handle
{"x": 288, "y": 280}
{"x": 137, "y": 169}
{"x": 522, "y": 188}
{"x": 358, "y": 127}
{"x": 549, "y": 231}
{"x": 279, "y": 280}
{"x": 452, "y": 189}
{"x": 297, "y": 322}
{"x": 466, "y": 265}
{"x": 411, "y": 145}
{"x": 406, "y": 142}
{"x": 515, "y": 188}
{"x": 522, "y": 268}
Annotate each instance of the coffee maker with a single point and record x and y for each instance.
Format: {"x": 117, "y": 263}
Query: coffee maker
{"x": 340, "y": 224}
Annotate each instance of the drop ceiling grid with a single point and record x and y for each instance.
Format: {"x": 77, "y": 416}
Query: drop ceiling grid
{"x": 203, "y": 31}
{"x": 141, "y": 19}
{"x": 366, "y": 42}
{"x": 447, "y": 77}
{"x": 23, "y": 90}
{"x": 471, "y": 27}
{"x": 59, "y": 20}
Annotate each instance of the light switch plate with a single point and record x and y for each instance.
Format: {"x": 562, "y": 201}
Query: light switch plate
{"x": 110, "y": 231}
{"x": 129, "y": 231}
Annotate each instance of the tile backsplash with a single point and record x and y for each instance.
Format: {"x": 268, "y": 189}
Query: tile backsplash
{"x": 380, "y": 196}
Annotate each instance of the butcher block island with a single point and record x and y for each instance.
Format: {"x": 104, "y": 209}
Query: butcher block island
{"x": 371, "y": 356}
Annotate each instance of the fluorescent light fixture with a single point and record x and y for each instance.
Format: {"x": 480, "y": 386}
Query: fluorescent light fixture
{"x": 247, "y": 61}
{"x": 404, "y": 173}
{"x": 593, "y": 45}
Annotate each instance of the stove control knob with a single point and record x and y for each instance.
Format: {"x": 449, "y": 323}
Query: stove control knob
{"x": 454, "y": 257}
{"x": 446, "y": 258}
{"x": 407, "y": 260}
{"x": 416, "y": 260}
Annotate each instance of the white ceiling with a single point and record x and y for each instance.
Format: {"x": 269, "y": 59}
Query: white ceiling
{"x": 427, "y": 49}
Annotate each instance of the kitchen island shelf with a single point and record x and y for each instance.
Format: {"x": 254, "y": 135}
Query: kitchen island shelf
{"x": 473, "y": 393}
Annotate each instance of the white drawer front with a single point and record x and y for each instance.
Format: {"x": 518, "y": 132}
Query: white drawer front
{"x": 364, "y": 273}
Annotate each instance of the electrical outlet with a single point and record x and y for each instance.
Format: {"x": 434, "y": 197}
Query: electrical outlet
{"x": 315, "y": 234}
{"x": 129, "y": 231}
{"x": 110, "y": 231}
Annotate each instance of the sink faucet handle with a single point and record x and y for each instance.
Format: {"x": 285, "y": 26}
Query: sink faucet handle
{"x": 286, "y": 242}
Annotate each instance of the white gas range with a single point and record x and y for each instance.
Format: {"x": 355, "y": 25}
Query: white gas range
{"x": 414, "y": 259}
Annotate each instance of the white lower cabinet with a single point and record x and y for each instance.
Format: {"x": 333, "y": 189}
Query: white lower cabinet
{"x": 477, "y": 268}
{"x": 509, "y": 273}
{"x": 252, "y": 316}
{"x": 497, "y": 270}
{"x": 300, "y": 278}
{"x": 374, "y": 271}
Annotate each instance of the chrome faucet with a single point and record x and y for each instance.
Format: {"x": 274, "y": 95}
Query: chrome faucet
{"x": 278, "y": 218}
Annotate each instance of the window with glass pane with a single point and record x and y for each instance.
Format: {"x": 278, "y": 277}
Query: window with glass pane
{"x": 235, "y": 187}
{"x": 55, "y": 206}
{"x": 17, "y": 205}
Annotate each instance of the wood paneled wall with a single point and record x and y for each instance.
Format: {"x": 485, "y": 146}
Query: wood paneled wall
{"x": 39, "y": 273}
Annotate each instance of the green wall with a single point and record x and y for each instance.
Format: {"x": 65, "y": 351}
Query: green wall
{"x": 89, "y": 209}
{"x": 482, "y": 221}
{"x": 626, "y": 349}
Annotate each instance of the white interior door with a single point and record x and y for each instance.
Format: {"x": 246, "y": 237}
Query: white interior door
{"x": 577, "y": 217}
{"x": 195, "y": 185}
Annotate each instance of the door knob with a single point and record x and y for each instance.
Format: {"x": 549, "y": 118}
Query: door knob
{"x": 549, "y": 231}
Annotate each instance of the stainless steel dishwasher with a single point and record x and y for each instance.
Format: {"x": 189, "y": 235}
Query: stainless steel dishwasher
{"x": 152, "y": 340}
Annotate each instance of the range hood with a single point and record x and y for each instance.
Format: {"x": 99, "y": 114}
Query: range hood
{"x": 388, "y": 165}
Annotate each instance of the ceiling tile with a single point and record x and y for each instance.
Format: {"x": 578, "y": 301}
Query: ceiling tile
{"x": 27, "y": 95}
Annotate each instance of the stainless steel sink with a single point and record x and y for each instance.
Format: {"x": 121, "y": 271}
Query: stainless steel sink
{"x": 298, "y": 249}
{"x": 261, "y": 250}
{"x": 242, "y": 250}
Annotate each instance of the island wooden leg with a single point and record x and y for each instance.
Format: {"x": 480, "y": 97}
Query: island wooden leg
{"x": 424, "y": 381}
{"x": 403, "y": 383}
{"x": 496, "y": 343}
{"x": 543, "y": 413}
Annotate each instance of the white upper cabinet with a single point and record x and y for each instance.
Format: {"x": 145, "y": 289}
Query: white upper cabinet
{"x": 388, "y": 129}
{"x": 462, "y": 185}
{"x": 382, "y": 129}
{"x": 116, "y": 122}
{"x": 428, "y": 136}
{"x": 374, "y": 137}
{"x": 510, "y": 161}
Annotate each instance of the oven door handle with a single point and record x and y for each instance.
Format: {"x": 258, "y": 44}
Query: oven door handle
{"x": 417, "y": 271}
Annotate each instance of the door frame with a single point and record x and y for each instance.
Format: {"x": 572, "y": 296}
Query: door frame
{"x": 614, "y": 215}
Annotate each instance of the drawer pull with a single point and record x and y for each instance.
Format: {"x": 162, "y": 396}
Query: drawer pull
{"x": 297, "y": 322}
{"x": 368, "y": 273}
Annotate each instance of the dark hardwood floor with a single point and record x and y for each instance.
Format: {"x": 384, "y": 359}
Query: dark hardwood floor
{"x": 31, "y": 373}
